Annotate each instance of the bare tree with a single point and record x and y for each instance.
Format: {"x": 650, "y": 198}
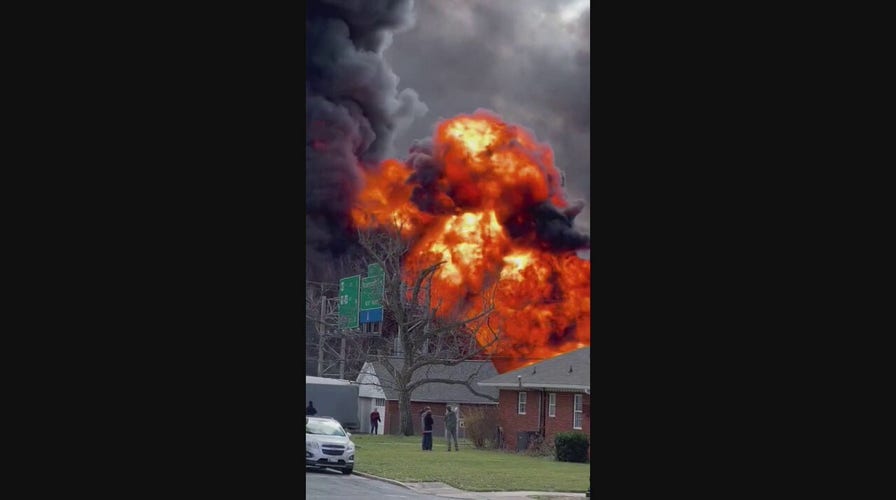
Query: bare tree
{"x": 423, "y": 338}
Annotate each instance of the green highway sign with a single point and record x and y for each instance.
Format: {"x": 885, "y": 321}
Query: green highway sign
{"x": 349, "y": 289}
{"x": 374, "y": 270}
{"x": 371, "y": 292}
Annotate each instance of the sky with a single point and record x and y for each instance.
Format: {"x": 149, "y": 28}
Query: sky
{"x": 527, "y": 60}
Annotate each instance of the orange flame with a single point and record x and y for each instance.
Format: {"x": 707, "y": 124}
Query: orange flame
{"x": 494, "y": 172}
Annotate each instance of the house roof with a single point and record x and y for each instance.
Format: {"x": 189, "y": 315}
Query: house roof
{"x": 438, "y": 392}
{"x": 326, "y": 381}
{"x": 553, "y": 373}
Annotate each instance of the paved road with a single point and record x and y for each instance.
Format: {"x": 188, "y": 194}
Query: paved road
{"x": 332, "y": 485}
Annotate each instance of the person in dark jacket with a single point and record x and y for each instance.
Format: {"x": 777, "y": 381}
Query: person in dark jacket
{"x": 427, "y": 429}
{"x": 310, "y": 410}
{"x": 374, "y": 421}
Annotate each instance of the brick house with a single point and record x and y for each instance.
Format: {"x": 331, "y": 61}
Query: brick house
{"x": 544, "y": 398}
{"x": 435, "y": 395}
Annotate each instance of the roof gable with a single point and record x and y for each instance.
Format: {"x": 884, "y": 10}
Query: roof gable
{"x": 369, "y": 383}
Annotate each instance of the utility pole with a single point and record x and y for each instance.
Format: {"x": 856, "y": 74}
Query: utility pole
{"x": 321, "y": 334}
{"x": 342, "y": 359}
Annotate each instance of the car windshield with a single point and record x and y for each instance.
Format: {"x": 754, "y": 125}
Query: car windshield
{"x": 325, "y": 427}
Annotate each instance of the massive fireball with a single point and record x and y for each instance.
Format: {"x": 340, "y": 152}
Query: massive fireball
{"x": 484, "y": 181}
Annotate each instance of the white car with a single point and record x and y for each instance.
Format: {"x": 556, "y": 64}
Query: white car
{"x": 327, "y": 445}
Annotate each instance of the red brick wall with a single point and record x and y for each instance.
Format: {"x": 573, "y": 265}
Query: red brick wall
{"x": 512, "y": 422}
{"x": 562, "y": 422}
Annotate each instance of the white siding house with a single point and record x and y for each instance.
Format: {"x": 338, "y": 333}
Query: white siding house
{"x": 370, "y": 396}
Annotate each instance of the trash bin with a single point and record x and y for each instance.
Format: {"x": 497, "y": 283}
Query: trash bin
{"x": 523, "y": 439}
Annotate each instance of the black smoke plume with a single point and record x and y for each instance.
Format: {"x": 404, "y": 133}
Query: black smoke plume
{"x": 554, "y": 227}
{"x": 353, "y": 112}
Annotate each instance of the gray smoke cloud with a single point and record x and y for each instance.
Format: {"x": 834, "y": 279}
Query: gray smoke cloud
{"x": 353, "y": 111}
{"x": 527, "y": 60}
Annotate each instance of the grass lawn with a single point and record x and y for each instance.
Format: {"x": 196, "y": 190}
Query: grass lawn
{"x": 400, "y": 458}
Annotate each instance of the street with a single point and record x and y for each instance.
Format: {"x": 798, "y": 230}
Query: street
{"x": 332, "y": 485}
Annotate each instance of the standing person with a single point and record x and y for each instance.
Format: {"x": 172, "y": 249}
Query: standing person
{"x": 451, "y": 427}
{"x": 310, "y": 410}
{"x": 374, "y": 421}
{"x": 427, "y": 429}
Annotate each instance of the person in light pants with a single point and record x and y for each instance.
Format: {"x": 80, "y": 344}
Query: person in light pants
{"x": 451, "y": 427}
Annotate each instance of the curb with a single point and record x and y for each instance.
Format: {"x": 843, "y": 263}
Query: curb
{"x": 567, "y": 494}
{"x": 385, "y": 480}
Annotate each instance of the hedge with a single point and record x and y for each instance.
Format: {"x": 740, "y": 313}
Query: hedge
{"x": 571, "y": 447}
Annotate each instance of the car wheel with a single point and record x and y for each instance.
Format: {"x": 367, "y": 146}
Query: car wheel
{"x": 347, "y": 470}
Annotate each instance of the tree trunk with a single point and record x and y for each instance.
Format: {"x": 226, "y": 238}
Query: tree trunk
{"x": 404, "y": 379}
{"x": 404, "y": 408}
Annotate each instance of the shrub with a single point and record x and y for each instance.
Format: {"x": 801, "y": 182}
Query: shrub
{"x": 481, "y": 425}
{"x": 541, "y": 447}
{"x": 571, "y": 446}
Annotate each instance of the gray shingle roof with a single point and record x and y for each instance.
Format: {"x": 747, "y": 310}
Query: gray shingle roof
{"x": 437, "y": 392}
{"x": 551, "y": 373}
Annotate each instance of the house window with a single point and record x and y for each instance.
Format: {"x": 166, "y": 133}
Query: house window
{"x": 577, "y": 412}
{"x": 552, "y": 404}
{"x": 521, "y": 404}
{"x": 380, "y": 402}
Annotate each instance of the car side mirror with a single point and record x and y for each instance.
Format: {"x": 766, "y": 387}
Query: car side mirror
{"x": 348, "y": 434}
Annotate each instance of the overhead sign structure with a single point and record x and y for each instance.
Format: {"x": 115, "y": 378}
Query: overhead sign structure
{"x": 349, "y": 290}
{"x": 371, "y": 308}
